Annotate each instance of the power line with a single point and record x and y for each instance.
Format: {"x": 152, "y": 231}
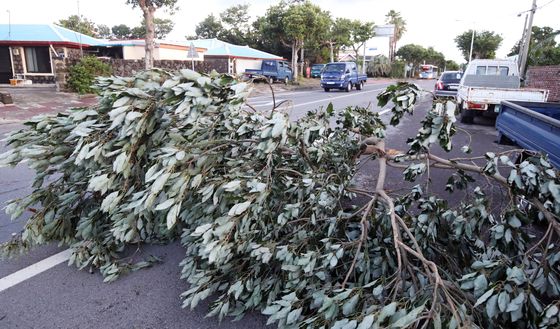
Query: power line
{"x": 546, "y": 4}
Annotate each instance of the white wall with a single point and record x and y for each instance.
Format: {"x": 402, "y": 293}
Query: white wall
{"x": 133, "y": 52}
{"x": 138, "y": 52}
{"x": 176, "y": 54}
{"x": 244, "y": 64}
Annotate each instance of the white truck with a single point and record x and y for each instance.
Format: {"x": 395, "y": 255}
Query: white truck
{"x": 488, "y": 82}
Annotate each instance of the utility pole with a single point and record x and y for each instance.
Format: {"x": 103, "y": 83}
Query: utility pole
{"x": 472, "y": 44}
{"x": 527, "y": 41}
{"x": 522, "y": 42}
{"x": 9, "y": 25}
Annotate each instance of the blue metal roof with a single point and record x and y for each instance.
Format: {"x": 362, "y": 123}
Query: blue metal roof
{"x": 44, "y": 33}
{"x": 240, "y": 51}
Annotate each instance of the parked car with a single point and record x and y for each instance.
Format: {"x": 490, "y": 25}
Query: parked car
{"x": 272, "y": 70}
{"x": 488, "y": 82}
{"x": 448, "y": 84}
{"x": 316, "y": 70}
{"x": 532, "y": 125}
{"x": 343, "y": 76}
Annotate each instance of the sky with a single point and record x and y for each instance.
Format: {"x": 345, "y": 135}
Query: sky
{"x": 432, "y": 23}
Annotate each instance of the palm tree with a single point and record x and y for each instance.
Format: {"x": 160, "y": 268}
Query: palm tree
{"x": 395, "y": 18}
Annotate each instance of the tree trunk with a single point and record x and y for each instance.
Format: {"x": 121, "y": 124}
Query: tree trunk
{"x": 295, "y": 50}
{"x": 150, "y": 33}
{"x": 331, "y": 46}
{"x": 302, "y": 60}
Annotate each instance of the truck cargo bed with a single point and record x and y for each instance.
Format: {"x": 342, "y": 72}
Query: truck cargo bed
{"x": 533, "y": 126}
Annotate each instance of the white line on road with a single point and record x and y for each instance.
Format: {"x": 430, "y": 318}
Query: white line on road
{"x": 333, "y": 98}
{"x": 34, "y": 269}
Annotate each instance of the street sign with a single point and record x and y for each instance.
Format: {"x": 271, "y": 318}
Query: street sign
{"x": 192, "y": 54}
{"x": 385, "y": 30}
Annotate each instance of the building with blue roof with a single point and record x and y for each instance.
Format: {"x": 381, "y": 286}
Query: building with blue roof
{"x": 40, "y": 53}
{"x": 29, "y": 51}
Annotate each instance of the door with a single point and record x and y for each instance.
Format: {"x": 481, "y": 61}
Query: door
{"x": 5, "y": 65}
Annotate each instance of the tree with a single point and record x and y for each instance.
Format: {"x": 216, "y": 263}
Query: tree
{"x": 338, "y": 36}
{"x": 209, "y": 28}
{"x": 162, "y": 27}
{"x": 543, "y": 49}
{"x": 267, "y": 208}
{"x": 121, "y": 31}
{"x": 294, "y": 24}
{"x": 412, "y": 54}
{"x": 236, "y": 27}
{"x": 485, "y": 44}
{"x": 395, "y": 18}
{"x": 359, "y": 34}
{"x": 79, "y": 24}
{"x": 451, "y": 65}
{"x": 149, "y": 8}
{"x": 103, "y": 31}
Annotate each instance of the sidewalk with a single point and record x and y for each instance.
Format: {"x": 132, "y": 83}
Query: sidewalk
{"x": 29, "y": 102}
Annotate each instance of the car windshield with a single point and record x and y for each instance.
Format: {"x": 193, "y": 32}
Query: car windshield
{"x": 335, "y": 68}
{"x": 317, "y": 67}
{"x": 451, "y": 77}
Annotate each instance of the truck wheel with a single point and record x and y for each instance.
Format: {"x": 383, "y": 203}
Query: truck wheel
{"x": 327, "y": 89}
{"x": 349, "y": 87}
{"x": 360, "y": 86}
{"x": 504, "y": 140}
{"x": 466, "y": 116}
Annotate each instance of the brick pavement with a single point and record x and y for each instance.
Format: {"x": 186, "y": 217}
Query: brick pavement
{"x": 29, "y": 102}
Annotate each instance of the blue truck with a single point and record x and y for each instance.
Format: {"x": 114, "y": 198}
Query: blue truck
{"x": 272, "y": 70}
{"x": 343, "y": 76}
{"x": 532, "y": 125}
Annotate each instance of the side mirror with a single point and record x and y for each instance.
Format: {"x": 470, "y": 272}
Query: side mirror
{"x": 347, "y": 71}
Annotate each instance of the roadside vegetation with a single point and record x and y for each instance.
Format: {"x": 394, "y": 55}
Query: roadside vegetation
{"x": 270, "y": 219}
{"x": 82, "y": 75}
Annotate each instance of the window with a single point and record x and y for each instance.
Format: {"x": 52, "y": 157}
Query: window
{"x": 504, "y": 70}
{"x": 38, "y": 60}
{"x": 480, "y": 70}
{"x": 492, "y": 70}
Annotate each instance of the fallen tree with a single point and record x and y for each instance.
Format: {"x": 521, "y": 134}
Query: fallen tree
{"x": 260, "y": 204}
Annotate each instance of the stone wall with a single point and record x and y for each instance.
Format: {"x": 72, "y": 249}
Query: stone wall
{"x": 128, "y": 67}
{"x": 545, "y": 77}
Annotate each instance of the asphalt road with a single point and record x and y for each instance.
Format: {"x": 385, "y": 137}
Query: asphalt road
{"x": 63, "y": 297}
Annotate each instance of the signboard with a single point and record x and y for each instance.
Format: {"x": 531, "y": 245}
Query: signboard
{"x": 192, "y": 54}
{"x": 385, "y": 30}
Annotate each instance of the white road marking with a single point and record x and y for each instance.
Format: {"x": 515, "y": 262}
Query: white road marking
{"x": 384, "y": 111}
{"x": 34, "y": 269}
{"x": 338, "y": 97}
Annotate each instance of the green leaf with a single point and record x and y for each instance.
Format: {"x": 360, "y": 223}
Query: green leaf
{"x": 492, "y": 306}
{"x": 484, "y": 297}
{"x": 350, "y": 306}
{"x": 293, "y": 316}
{"x": 367, "y": 322}
{"x": 239, "y": 208}
{"x": 408, "y": 319}
{"x": 171, "y": 218}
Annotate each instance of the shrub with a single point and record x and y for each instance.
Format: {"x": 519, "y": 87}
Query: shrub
{"x": 82, "y": 75}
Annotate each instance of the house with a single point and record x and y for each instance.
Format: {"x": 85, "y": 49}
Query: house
{"x": 33, "y": 51}
{"x": 42, "y": 53}
{"x": 240, "y": 58}
{"x": 135, "y": 50}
